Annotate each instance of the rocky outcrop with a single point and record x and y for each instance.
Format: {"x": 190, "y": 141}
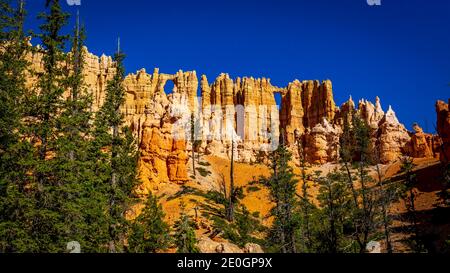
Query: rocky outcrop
{"x": 318, "y": 102}
{"x": 322, "y": 143}
{"x": 253, "y": 248}
{"x": 389, "y": 138}
{"x": 393, "y": 138}
{"x": 292, "y": 114}
{"x": 422, "y": 144}
{"x": 163, "y": 152}
{"x": 207, "y": 245}
{"x": 304, "y": 105}
{"x": 370, "y": 113}
{"x": 345, "y": 112}
{"x": 97, "y": 72}
{"x": 243, "y": 111}
{"x": 443, "y": 128}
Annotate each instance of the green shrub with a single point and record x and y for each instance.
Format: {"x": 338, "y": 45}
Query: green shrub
{"x": 203, "y": 172}
{"x": 206, "y": 164}
{"x": 253, "y": 189}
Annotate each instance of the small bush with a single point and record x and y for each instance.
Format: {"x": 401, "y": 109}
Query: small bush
{"x": 206, "y": 164}
{"x": 185, "y": 190}
{"x": 256, "y": 214}
{"x": 253, "y": 189}
{"x": 203, "y": 172}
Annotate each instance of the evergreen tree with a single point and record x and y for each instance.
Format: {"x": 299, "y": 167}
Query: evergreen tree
{"x": 81, "y": 205}
{"x": 409, "y": 197}
{"x": 229, "y": 196}
{"x": 44, "y": 107}
{"x": 184, "y": 237}
{"x": 366, "y": 211}
{"x": 13, "y": 49}
{"x": 193, "y": 142}
{"x": 282, "y": 187}
{"x": 233, "y": 197}
{"x": 356, "y": 156}
{"x": 388, "y": 193}
{"x": 149, "y": 232}
{"x": 116, "y": 152}
{"x": 306, "y": 208}
{"x": 16, "y": 202}
{"x": 246, "y": 225}
{"x": 335, "y": 205}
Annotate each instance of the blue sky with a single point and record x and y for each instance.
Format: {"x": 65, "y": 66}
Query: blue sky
{"x": 399, "y": 51}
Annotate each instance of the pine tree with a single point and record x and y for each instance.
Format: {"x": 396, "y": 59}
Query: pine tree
{"x": 16, "y": 202}
{"x": 229, "y": 196}
{"x": 13, "y": 49}
{"x": 282, "y": 187}
{"x": 233, "y": 196}
{"x": 355, "y": 157}
{"x": 149, "y": 232}
{"x": 409, "y": 197}
{"x": 335, "y": 205}
{"x": 193, "y": 142}
{"x": 81, "y": 205}
{"x": 116, "y": 152}
{"x": 43, "y": 109}
{"x": 388, "y": 193}
{"x": 366, "y": 212}
{"x": 306, "y": 208}
{"x": 184, "y": 237}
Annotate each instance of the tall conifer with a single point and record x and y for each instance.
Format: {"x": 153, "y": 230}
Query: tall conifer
{"x": 16, "y": 202}
{"x": 116, "y": 152}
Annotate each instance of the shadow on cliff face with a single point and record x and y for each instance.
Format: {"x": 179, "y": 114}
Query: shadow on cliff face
{"x": 433, "y": 217}
{"x": 433, "y": 230}
{"x": 430, "y": 178}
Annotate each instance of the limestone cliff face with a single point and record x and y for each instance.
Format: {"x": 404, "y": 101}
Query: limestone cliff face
{"x": 243, "y": 111}
{"x": 292, "y": 114}
{"x": 304, "y": 105}
{"x": 443, "y": 127}
{"x": 318, "y": 102}
{"x": 97, "y": 72}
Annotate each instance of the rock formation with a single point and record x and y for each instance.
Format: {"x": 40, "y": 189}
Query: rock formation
{"x": 422, "y": 144}
{"x": 322, "y": 143}
{"x": 443, "y": 128}
{"x": 243, "y": 111}
{"x": 371, "y": 113}
{"x": 207, "y": 245}
{"x": 304, "y": 105}
{"x": 393, "y": 138}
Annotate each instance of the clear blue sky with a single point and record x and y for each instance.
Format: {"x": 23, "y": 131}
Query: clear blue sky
{"x": 399, "y": 51}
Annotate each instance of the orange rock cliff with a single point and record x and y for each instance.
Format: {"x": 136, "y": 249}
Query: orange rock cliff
{"x": 244, "y": 111}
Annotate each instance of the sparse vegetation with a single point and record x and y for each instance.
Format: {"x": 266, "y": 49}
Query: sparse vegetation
{"x": 185, "y": 239}
{"x": 282, "y": 187}
{"x": 253, "y": 189}
{"x": 149, "y": 233}
{"x": 204, "y": 163}
{"x": 203, "y": 172}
